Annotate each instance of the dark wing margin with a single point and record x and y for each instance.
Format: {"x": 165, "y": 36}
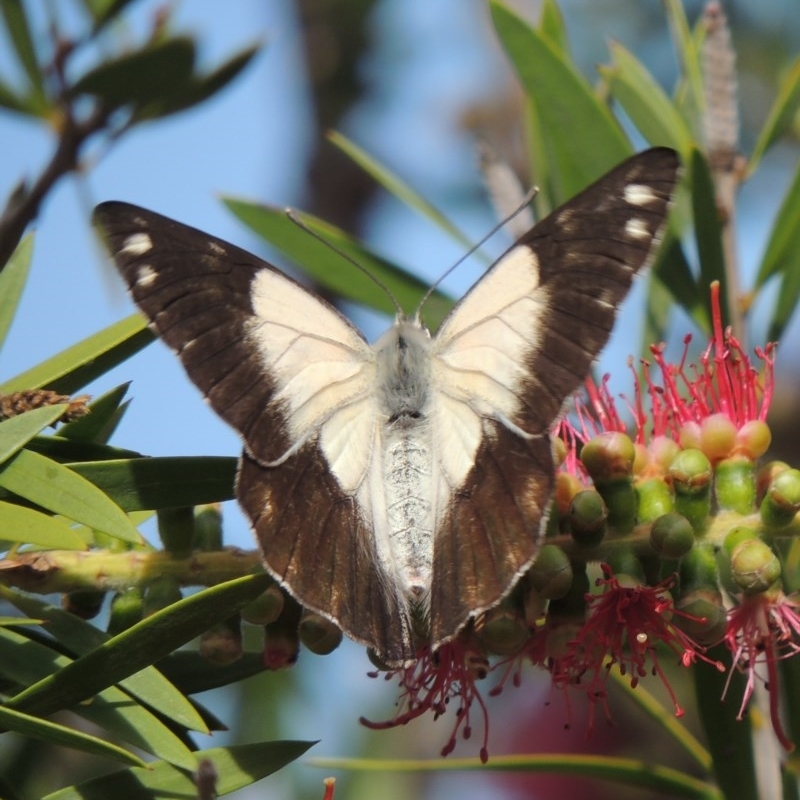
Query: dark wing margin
{"x": 587, "y": 253}
{"x": 196, "y": 292}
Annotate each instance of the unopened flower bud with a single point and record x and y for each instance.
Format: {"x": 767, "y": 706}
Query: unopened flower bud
{"x": 83, "y": 603}
{"x": 782, "y": 500}
{"x": 176, "y": 530}
{"x": 126, "y": 610}
{"x": 654, "y": 499}
{"x": 318, "y": 634}
{"x": 266, "y": 608}
{"x": 754, "y": 567}
{"x": 502, "y": 631}
{"x": 587, "y": 518}
{"x": 281, "y": 638}
{"x": 162, "y": 592}
{"x": 735, "y": 484}
{"x": 702, "y": 615}
{"x": 662, "y": 451}
{"x": 753, "y": 439}
{"x": 717, "y": 436}
{"x": 691, "y": 475}
{"x": 551, "y": 574}
{"x": 222, "y": 644}
{"x": 609, "y": 457}
{"x": 766, "y": 474}
{"x": 672, "y": 535}
{"x": 208, "y": 528}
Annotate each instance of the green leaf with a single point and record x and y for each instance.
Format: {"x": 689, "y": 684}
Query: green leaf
{"x": 551, "y": 25}
{"x": 12, "y": 281}
{"x": 139, "y": 646}
{"x": 20, "y": 35}
{"x": 57, "y": 488}
{"x": 235, "y": 767}
{"x": 199, "y": 89}
{"x": 68, "y": 450}
{"x": 10, "y": 100}
{"x": 192, "y": 673}
{"x": 25, "y": 661}
{"x": 708, "y": 229}
{"x": 149, "y": 686}
{"x": 565, "y": 108}
{"x": 20, "y": 525}
{"x": 782, "y": 253}
{"x": 690, "y": 97}
{"x": 136, "y": 484}
{"x": 780, "y": 117}
{"x": 16, "y": 432}
{"x": 73, "y": 368}
{"x": 55, "y": 734}
{"x": 330, "y": 270}
{"x": 398, "y": 188}
{"x": 143, "y": 77}
{"x": 645, "y": 102}
{"x": 105, "y": 413}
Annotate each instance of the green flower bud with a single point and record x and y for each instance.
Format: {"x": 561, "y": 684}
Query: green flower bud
{"x": 782, "y": 500}
{"x": 208, "y": 528}
{"x": 266, "y": 608}
{"x": 654, "y": 499}
{"x": 222, "y": 644}
{"x": 706, "y": 620}
{"x": 176, "y": 530}
{"x": 126, "y": 610}
{"x": 160, "y": 593}
{"x": 735, "y": 484}
{"x": 754, "y": 567}
{"x": 691, "y": 475}
{"x": 502, "y": 631}
{"x": 672, "y": 535}
{"x": 551, "y": 574}
{"x": 319, "y": 634}
{"x": 663, "y": 451}
{"x": 609, "y": 457}
{"x": 766, "y": 474}
{"x": 83, "y": 603}
{"x": 626, "y": 567}
{"x": 587, "y": 518}
{"x": 699, "y": 569}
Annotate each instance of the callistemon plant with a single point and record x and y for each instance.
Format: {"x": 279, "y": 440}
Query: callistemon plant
{"x": 662, "y": 544}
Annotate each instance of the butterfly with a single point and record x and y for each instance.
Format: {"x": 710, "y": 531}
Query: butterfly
{"x": 406, "y": 484}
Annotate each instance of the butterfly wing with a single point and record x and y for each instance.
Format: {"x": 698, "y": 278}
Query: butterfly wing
{"x": 296, "y": 379}
{"x": 504, "y": 362}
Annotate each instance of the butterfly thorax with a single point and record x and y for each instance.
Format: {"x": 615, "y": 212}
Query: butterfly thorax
{"x": 404, "y": 380}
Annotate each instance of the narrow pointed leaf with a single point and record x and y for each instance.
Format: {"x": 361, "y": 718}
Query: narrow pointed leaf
{"x": 22, "y": 39}
{"x": 73, "y": 368}
{"x": 783, "y": 248}
{"x": 566, "y": 107}
{"x": 780, "y": 117}
{"x": 11, "y": 101}
{"x": 235, "y": 767}
{"x": 59, "y": 489}
{"x": 16, "y": 432}
{"x": 56, "y": 734}
{"x": 148, "y": 685}
{"x": 551, "y": 25}
{"x": 330, "y": 270}
{"x": 645, "y": 102}
{"x": 20, "y": 525}
{"x": 26, "y": 661}
{"x": 708, "y": 228}
{"x": 139, "y": 646}
{"x": 398, "y": 188}
{"x": 137, "y": 484}
{"x": 687, "y": 51}
{"x": 105, "y": 413}
{"x": 12, "y": 281}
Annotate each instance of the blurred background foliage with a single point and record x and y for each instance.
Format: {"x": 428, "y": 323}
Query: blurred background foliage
{"x": 123, "y": 98}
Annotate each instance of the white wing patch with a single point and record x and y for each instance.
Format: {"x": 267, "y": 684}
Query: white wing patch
{"x": 323, "y": 369}
{"x": 478, "y": 359}
{"x": 636, "y": 229}
{"x": 137, "y": 244}
{"x": 638, "y": 194}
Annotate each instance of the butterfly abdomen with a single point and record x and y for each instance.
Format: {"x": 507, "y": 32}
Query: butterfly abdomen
{"x": 404, "y": 384}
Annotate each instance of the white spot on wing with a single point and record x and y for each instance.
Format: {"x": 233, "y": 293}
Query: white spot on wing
{"x": 137, "y": 244}
{"x": 216, "y": 249}
{"x": 638, "y": 194}
{"x": 145, "y": 276}
{"x": 636, "y": 229}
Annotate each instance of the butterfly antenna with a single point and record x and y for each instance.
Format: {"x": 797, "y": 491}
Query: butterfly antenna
{"x": 529, "y": 195}
{"x": 297, "y": 220}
